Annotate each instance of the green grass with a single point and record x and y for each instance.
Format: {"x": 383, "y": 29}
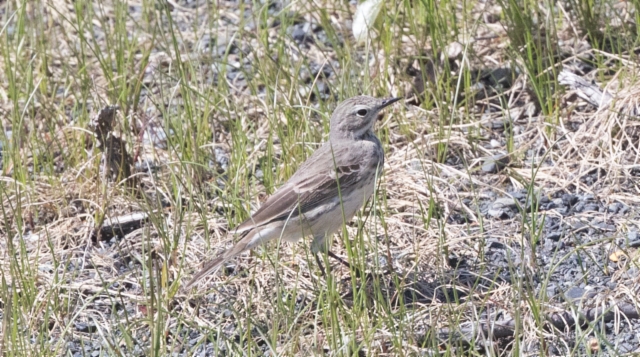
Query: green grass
{"x": 221, "y": 79}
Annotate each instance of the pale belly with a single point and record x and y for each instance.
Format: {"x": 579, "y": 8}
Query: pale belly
{"x": 320, "y": 222}
{"x": 339, "y": 214}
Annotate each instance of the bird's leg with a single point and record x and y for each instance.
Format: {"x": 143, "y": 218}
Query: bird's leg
{"x": 320, "y": 265}
{"x": 356, "y": 270}
{"x": 343, "y": 262}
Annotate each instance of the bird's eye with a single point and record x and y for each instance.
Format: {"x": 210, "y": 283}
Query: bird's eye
{"x": 362, "y": 112}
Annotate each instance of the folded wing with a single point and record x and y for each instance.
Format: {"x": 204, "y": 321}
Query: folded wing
{"x": 311, "y": 186}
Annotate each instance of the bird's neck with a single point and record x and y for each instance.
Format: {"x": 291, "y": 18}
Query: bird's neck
{"x": 355, "y": 136}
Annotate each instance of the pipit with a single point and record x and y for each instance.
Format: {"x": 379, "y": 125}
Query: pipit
{"x": 326, "y": 191}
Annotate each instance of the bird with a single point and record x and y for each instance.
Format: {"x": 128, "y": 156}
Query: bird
{"x": 324, "y": 193}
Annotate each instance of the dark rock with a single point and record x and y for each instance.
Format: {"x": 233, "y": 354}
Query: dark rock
{"x": 494, "y": 244}
{"x": 120, "y": 226}
{"x": 554, "y": 236}
{"x": 85, "y": 327}
{"x": 490, "y": 18}
{"x": 301, "y": 33}
{"x": 454, "y": 261}
{"x": 570, "y": 200}
{"x": 501, "y": 77}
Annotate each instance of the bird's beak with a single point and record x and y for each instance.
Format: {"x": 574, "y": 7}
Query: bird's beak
{"x": 388, "y": 102}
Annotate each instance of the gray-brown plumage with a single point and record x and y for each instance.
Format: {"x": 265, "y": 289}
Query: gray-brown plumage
{"x": 326, "y": 191}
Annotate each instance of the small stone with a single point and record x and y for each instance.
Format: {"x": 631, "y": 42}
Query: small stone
{"x": 553, "y": 350}
{"x": 323, "y": 88}
{"x": 626, "y": 348}
{"x": 304, "y": 91}
{"x": 304, "y": 76}
{"x": 549, "y": 244}
{"x": 382, "y": 261}
{"x": 453, "y": 50}
{"x": 506, "y": 202}
{"x": 495, "y": 163}
{"x": 498, "y": 213}
{"x": 634, "y": 244}
{"x": 555, "y": 203}
{"x": 605, "y": 227}
{"x": 490, "y": 167}
{"x": 500, "y": 124}
{"x": 590, "y": 292}
{"x": 575, "y": 293}
{"x": 590, "y": 207}
{"x": 222, "y": 158}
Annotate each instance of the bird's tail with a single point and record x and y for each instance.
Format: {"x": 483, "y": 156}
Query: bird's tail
{"x": 214, "y": 264}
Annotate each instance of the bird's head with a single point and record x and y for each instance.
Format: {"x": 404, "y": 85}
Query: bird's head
{"x": 354, "y": 117}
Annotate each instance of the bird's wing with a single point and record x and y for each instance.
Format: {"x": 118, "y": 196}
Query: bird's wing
{"x": 315, "y": 182}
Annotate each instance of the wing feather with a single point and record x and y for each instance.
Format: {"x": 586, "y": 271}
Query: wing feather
{"x": 315, "y": 182}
